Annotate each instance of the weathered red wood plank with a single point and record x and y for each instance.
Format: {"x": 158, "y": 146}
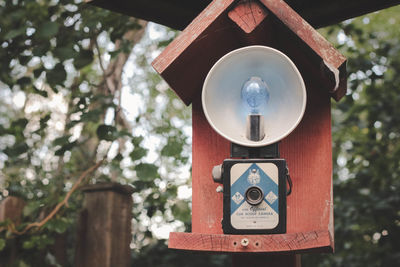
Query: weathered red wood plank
{"x": 194, "y": 30}
{"x": 300, "y": 242}
{"x": 208, "y": 149}
{"x": 248, "y": 15}
{"x": 332, "y": 62}
{"x": 307, "y": 151}
{"x": 193, "y": 50}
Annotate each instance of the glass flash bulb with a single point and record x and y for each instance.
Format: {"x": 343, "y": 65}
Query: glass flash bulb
{"x": 255, "y": 94}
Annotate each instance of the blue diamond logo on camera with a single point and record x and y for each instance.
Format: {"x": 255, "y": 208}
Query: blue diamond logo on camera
{"x": 254, "y": 176}
{"x": 237, "y": 198}
{"x": 271, "y": 197}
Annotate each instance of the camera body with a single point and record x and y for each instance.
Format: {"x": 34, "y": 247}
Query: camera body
{"x": 254, "y": 196}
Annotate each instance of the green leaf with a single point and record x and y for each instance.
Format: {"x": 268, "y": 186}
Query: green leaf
{"x": 41, "y": 48}
{"x": 92, "y": 115}
{"x": 14, "y": 33}
{"x": 2, "y": 244}
{"x": 28, "y": 244}
{"x": 84, "y": 58}
{"x": 137, "y": 140}
{"x": 181, "y": 211}
{"x": 173, "y": 148}
{"x": 20, "y": 123}
{"x": 59, "y": 225}
{"x": 64, "y": 53}
{"x": 3, "y": 130}
{"x": 146, "y": 171}
{"x": 23, "y": 60}
{"x": 107, "y": 132}
{"x": 64, "y": 148}
{"x": 24, "y": 81}
{"x": 39, "y": 92}
{"x": 44, "y": 120}
{"x": 30, "y": 208}
{"x": 61, "y": 140}
{"x": 37, "y": 72}
{"x": 138, "y": 153}
{"x": 56, "y": 76}
{"x": 16, "y": 150}
{"x": 48, "y": 30}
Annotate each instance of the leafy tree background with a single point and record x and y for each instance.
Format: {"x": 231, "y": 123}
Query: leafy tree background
{"x": 70, "y": 78}
{"x": 366, "y": 143}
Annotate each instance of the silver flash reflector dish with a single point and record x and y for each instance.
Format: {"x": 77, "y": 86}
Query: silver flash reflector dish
{"x": 281, "y": 105}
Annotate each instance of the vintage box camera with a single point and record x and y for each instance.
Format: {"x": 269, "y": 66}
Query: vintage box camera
{"x": 254, "y": 196}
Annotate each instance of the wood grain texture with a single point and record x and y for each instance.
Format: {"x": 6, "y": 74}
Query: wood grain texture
{"x": 208, "y": 149}
{"x": 104, "y": 229}
{"x": 299, "y": 242}
{"x": 248, "y": 15}
{"x": 193, "y": 31}
{"x": 185, "y": 62}
{"x": 11, "y": 208}
{"x": 331, "y": 61}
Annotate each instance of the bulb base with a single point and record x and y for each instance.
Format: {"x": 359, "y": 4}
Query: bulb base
{"x": 255, "y": 127}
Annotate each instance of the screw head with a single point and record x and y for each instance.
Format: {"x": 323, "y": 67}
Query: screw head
{"x": 245, "y": 242}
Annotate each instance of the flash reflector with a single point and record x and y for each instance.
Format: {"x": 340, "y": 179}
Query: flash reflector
{"x": 254, "y": 80}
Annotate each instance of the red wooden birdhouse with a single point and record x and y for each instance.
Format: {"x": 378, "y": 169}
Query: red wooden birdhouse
{"x": 224, "y": 26}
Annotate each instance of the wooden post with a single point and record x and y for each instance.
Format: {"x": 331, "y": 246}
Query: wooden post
{"x": 104, "y": 228}
{"x": 11, "y": 208}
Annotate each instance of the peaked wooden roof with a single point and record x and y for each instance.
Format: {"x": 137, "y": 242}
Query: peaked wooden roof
{"x": 185, "y": 63}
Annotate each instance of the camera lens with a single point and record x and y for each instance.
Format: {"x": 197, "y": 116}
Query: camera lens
{"x": 254, "y": 195}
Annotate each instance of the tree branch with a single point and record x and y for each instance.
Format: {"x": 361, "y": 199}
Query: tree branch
{"x": 11, "y": 227}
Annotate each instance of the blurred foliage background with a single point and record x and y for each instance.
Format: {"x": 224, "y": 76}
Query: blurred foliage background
{"x": 76, "y": 86}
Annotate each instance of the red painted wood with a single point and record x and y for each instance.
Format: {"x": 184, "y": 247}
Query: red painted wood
{"x": 208, "y": 149}
{"x": 248, "y": 15}
{"x": 299, "y": 242}
{"x": 307, "y": 151}
{"x": 186, "y": 61}
{"x": 331, "y": 61}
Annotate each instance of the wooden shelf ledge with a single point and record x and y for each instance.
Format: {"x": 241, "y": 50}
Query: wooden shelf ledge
{"x": 320, "y": 241}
